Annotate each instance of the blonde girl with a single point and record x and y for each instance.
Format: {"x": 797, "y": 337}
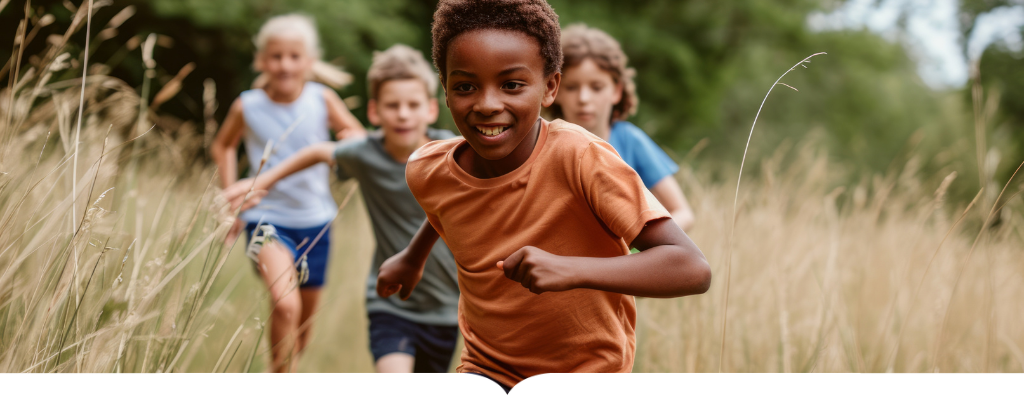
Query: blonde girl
{"x": 293, "y": 111}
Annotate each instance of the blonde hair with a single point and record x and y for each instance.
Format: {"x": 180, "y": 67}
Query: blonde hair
{"x": 400, "y": 62}
{"x": 301, "y": 27}
{"x": 579, "y": 43}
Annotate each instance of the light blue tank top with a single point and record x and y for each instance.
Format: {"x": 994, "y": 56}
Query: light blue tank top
{"x": 303, "y": 199}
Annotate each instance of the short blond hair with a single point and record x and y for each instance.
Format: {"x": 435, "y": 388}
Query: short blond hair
{"x": 580, "y": 42}
{"x": 400, "y": 62}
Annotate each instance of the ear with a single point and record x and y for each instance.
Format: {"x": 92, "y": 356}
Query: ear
{"x": 371, "y": 112}
{"x": 432, "y": 110}
{"x": 618, "y": 93}
{"x": 551, "y": 89}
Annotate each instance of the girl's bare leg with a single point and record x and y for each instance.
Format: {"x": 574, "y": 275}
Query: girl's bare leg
{"x": 310, "y": 303}
{"x": 277, "y": 270}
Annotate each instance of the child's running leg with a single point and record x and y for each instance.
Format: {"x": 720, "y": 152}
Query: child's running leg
{"x": 277, "y": 270}
{"x": 310, "y": 301}
{"x": 397, "y": 362}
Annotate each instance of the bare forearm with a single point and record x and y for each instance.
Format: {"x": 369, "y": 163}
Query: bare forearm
{"x": 671, "y": 196}
{"x": 659, "y": 272}
{"x": 309, "y": 156}
{"x": 421, "y": 244}
{"x": 226, "y": 159}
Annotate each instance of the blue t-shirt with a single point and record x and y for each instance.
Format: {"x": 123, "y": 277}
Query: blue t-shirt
{"x": 641, "y": 153}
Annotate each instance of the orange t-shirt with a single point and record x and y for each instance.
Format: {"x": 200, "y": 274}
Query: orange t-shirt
{"x": 574, "y": 196}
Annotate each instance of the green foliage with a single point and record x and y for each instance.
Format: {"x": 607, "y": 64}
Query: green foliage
{"x": 704, "y": 67}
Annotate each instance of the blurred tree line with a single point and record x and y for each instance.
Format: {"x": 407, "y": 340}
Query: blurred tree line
{"x": 703, "y": 69}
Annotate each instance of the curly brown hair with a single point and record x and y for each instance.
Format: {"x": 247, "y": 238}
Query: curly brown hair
{"x": 580, "y": 42}
{"x": 535, "y": 18}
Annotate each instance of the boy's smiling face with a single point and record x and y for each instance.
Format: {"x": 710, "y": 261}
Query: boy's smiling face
{"x": 495, "y": 87}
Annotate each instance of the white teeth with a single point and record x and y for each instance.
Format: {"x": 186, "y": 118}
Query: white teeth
{"x": 491, "y": 131}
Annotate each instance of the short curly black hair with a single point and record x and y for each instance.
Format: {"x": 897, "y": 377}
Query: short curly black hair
{"x": 535, "y": 18}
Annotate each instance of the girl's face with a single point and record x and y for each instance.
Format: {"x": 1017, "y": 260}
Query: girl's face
{"x": 588, "y": 95}
{"x": 287, "y": 63}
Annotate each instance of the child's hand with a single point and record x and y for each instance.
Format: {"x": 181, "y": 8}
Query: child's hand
{"x": 236, "y": 228}
{"x": 398, "y": 274}
{"x": 538, "y": 270}
{"x": 235, "y": 194}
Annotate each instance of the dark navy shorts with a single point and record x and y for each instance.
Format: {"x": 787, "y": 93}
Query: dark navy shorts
{"x": 432, "y": 346}
{"x": 316, "y": 259}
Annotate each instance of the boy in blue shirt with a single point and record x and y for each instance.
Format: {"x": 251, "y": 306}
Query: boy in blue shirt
{"x": 418, "y": 334}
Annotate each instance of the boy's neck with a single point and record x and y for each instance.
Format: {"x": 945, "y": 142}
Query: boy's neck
{"x": 399, "y": 152}
{"x": 481, "y": 168}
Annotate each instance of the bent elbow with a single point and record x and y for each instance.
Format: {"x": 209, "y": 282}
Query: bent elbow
{"x": 703, "y": 278}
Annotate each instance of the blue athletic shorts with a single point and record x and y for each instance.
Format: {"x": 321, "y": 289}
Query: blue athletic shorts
{"x": 432, "y": 346}
{"x": 316, "y": 259}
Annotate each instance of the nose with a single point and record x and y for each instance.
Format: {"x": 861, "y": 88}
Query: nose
{"x": 489, "y": 104}
{"x": 585, "y": 94}
{"x": 404, "y": 111}
{"x": 288, "y": 64}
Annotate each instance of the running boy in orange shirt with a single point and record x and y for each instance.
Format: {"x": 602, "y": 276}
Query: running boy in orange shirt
{"x": 527, "y": 207}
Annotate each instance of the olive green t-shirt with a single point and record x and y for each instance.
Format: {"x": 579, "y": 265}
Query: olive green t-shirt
{"x": 396, "y": 216}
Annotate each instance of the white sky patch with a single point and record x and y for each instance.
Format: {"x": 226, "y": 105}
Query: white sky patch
{"x": 931, "y": 32}
{"x": 1003, "y": 25}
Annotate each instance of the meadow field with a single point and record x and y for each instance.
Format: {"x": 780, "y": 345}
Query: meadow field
{"x": 112, "y": 256}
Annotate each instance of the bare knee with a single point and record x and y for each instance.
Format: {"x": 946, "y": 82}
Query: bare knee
{"x": 288, "y": 307}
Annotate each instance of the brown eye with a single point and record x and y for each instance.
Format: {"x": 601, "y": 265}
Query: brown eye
{"x": 463, "y": 87}
{"x": 512, "y": 85}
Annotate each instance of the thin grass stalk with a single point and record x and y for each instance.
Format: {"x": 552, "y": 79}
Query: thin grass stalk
{"x": 19, "y": 41}
{"x": 226, "y": 347}
{"x": 977, "y": 94}
{"x": 81, "y": 106}
{"x": 255, "y": 348}
{"x": 732, "y": 225}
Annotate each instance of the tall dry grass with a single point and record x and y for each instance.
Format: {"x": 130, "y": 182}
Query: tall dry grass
{"x": 117, "y": 265}
{"x": 835, "y": 279}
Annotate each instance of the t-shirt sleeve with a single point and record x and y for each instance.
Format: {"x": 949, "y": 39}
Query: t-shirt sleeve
{"x": 615, "y": 193}
{"x": 416, "y": 177}
{"x": 652, "y": 164}
{"x": 343, "y": 162}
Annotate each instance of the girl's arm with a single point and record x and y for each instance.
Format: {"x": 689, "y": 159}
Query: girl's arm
{"x": 322, "y": 152}
{"x": 344, "y": 124}
{"x": 668, "y": 265}
{"x": 667, "y": 192}
{"x": 224, "y": 149}
{"x": 403, "y": 271}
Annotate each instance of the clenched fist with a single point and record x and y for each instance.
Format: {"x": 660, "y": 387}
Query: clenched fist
{"x": 539, "y": 271}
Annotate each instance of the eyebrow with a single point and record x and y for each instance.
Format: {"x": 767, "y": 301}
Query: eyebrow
{"x": 462, "y": 73}
{"x": 502, "y": 73}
